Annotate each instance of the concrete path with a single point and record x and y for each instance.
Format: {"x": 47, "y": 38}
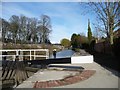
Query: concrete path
{"x": 0, "y": 78}
{"x": 45, "y": 75}
{"x": 103, "y": 78}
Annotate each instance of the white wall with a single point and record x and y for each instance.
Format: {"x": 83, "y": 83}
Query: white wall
{"x": 81, "y": 59}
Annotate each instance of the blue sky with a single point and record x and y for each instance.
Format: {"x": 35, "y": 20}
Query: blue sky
{"x": 66, "y": 17}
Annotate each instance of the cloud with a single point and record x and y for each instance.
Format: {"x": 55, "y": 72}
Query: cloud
{"x": 9, "y": 9}
{"x": 66, "y": 18}
{"x": 40, "y": 0}
{"x": 0, "y": 10}
{"x": 59, "y": 0}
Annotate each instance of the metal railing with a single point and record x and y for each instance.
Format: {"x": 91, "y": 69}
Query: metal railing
{"x": 32, "y": 54}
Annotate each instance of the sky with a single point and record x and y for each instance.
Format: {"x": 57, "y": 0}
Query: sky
{"x": 66, "y": 17}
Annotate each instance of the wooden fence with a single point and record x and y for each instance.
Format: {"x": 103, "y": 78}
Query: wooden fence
{"x": 103, "y": 47}
{"x": 15, "y": 71}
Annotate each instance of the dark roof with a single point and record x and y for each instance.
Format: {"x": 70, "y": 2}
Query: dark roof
{"x": 56, "y": 44}
{"x": 117, "y": 33}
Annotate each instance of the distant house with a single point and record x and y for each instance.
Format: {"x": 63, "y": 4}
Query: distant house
{"x": 58, "y": 46}
{"x": 117, "y": 33}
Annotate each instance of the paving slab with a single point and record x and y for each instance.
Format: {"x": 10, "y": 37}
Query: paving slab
{"x": 45, "y": 75}
{"x": 103, "y": 78}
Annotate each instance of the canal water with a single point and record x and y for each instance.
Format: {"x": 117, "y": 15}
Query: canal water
{"x": 63, "y": 54}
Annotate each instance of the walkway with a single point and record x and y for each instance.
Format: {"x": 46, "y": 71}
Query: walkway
{"x": 101, "y": 79}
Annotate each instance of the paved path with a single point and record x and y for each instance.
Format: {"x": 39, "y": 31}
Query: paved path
{"x": 0, "y": 78}
{"x": 101, "y": 79}
{"x": 46, "y": 75}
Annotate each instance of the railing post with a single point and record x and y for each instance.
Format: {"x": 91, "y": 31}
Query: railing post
{"x": 14, "y": 57}
{"x": 30, "y": 55}
{"x": 47, "y": 54}
{"x": 34, "y": 54}
{"x": 21, "y": 55}
{"x": 17, "y": 53}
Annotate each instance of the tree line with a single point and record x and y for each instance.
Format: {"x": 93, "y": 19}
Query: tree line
{"x": 79, "y": 40}
{"x": 76, "y": 41}
{"x": 22, "y": 29}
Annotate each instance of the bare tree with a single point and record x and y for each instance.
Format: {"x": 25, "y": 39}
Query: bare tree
{"x": 28, "y": 30}
{"x": 45, "y": 27}
{"x": 5, "y": 29}
{"x": 14, "y": 25}
{"x": 108, "y": 14}
{"x": 31, "y": 30}
{"x": 98, "y": 32}
{"x": 22, "y": 28}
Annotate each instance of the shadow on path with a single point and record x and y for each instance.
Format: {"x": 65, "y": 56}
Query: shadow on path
{"x": 67, "y": 67}
{"x": 109, "y": 62}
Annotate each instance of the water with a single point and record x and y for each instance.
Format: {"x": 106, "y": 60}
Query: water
{"x": 63, "y": 54}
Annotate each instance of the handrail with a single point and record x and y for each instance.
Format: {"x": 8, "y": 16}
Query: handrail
{"x": 28, "y": 50}
{"x": 23, "y": 49}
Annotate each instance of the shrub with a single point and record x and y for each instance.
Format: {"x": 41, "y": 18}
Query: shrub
{"x": 92, "y": 44}
{"x": 77, "y": 50}
{"x": 85, "y": 46}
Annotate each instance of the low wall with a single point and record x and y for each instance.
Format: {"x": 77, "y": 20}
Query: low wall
{"x": 82, "y": 59}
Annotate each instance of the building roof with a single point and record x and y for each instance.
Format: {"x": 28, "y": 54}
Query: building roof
{"x": 117, "y": 33}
